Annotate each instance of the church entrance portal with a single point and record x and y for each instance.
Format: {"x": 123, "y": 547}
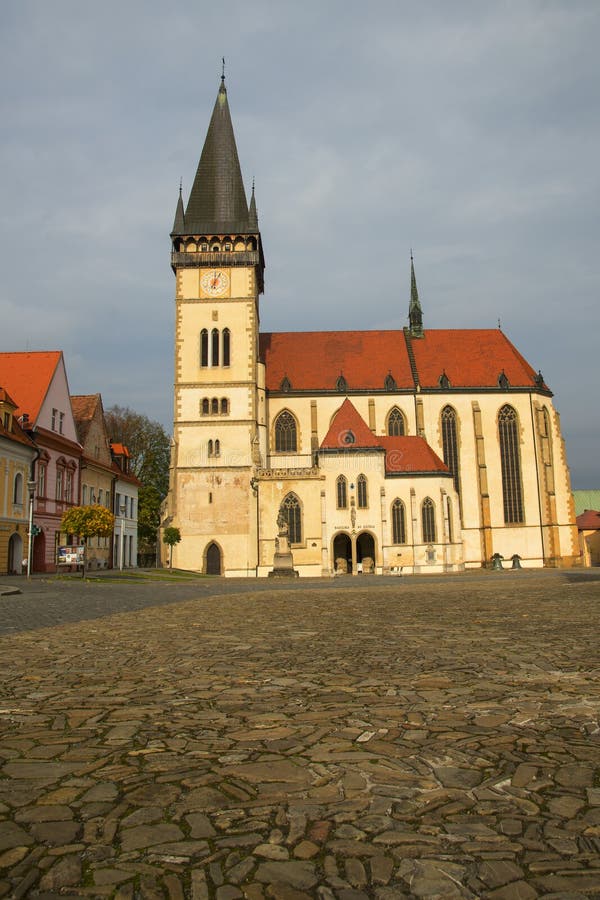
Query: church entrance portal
{"x": 213, "y": 560}
{"x": 365, "y": 547}
{"x": 342, "y": 550}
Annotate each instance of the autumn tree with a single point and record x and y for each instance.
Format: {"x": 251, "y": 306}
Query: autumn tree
{"x": 87, "y": 522}
{"x": 149, "y": 449}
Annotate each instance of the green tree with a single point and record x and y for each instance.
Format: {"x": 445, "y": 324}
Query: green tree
{"x": 171, "y": 536}
{"x": 149, "y": 449}
{"x": 87, "y": 522}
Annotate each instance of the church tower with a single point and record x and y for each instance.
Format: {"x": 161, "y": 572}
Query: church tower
{"x": 218, "y": 263}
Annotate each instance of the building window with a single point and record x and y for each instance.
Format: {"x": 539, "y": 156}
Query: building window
{"x": 61, "y": 422}
{"x": 42, "y": 480}
{"x": 214, "y": 340}
{"x": 84, "y": 493}
{"x": 226, "y": 346}
{"x": 450, "y": 444}
{"x": 214, "y": 448}
{"x": 18, "y": 489}
{"x": 361, "y": 492}
{"x": 224, "y": 406}
{"x": 60, "y": 474}
{"x": 396, "y": 426}
{"x": 293, "y": 516}
{"x": 285, "y": 433}
{"x": 398, "y": 522}
{"x": 69, "y": 487}
{"x": 510, "y": 462}
{"x": 204, "y": 348}
{"x": 214, "y": 406}
{"x": 428, "y": 521}
{"x": 341, "y": 493}
{"x": 54, "y": 419}
{"x": 205, "y": 406}
{"x": 450, "y": 528}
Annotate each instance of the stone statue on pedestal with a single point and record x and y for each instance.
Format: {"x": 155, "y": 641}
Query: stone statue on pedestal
{"x": 283, "y": 562}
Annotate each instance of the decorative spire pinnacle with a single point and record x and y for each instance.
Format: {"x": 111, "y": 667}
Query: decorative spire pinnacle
{"x": 223, "y": 72}
{"x": 179, "y": 223}
{"x": 252, "y": 214}
{"x": 415, "y": 313}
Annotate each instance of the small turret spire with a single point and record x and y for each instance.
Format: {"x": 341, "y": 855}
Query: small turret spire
{"x": 179, "y": 223}
{"x": 415, "y": 313}
{"x": 252, "y": 214}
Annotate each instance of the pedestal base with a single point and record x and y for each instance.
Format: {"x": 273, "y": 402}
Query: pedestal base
{"x": 283, "y": 566}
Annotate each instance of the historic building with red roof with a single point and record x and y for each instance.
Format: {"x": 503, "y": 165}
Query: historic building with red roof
{"x": 37, "y": 381}
{"x": 17, "y": 457}
{"x": 420, "y": 449}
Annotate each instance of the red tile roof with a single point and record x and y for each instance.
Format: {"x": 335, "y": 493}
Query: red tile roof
{"x": 589, "y": 520}
{"x": 314, "y": 360}
{"x": 470, "y": 358}
{"x": 27, "y": 377}
{"x": 410, "y": 454}
{"x": 119, "y": 449}
{"x": 349, "y": 431}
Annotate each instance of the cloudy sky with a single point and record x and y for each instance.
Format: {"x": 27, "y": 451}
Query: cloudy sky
{"x": 469, "y": 131}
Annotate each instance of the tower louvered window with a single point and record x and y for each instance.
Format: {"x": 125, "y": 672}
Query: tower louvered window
{"x": 285, "y": 433}
{"x": 341, "y": 487}
{"x": 450, "y": 444}
{"x": 204, "y": 347}
{"x": 428, "y": 521}
{"x": 293, "y": 516}
{"x": 398, "y": 522}
{"x": 226, "y": 346}
{"x": 510, "y": 461}
{"x": 396, "y": 425}
{"x": 215, "y": 347}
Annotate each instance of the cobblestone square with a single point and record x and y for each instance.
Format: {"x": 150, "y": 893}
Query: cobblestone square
{"x": 365, "y": 739}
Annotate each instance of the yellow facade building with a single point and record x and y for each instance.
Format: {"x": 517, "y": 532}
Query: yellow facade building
{"x": 421, "y": 450}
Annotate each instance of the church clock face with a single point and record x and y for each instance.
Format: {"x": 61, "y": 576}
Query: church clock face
{"x": 214, "y": 283}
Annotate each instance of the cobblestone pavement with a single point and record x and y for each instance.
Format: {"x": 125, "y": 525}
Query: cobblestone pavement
{"x": 372, "y": 740}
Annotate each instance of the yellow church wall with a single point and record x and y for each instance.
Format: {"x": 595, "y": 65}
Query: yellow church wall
{"x": 237, "y": 316}
{"x": 215, "y": 506}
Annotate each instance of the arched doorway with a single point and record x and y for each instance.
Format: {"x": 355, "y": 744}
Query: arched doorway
{"x": 342, "y": 550}
{"x": 15, "y": 554}
{"x": 213, "y": 559}
{"x": 365, "y": 547}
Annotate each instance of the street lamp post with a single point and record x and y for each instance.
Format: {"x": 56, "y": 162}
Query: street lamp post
{"x": 122, "y": 511}
{"x": 31, "y": 490}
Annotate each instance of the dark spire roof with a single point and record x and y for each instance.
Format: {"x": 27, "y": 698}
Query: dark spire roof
{"x": 217, "y": 202}
{"x": 415, "y": 313}
{"x": 179, "y": 223}
{"x": 252, "y": 214}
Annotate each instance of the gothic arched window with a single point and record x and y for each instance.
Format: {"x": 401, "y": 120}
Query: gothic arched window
{"x": 204, "y": 347}
{"x": 361, "y": 492}
{"x": 428, "y": 521}
{"x": 205, "y": 406}
{"x": 18, "y": 489}
{"x": 341, "y": 493}
{"x": 224, "y": 406}
{"x": 398, "y": 522}
{"x": 214, "y": 339}
{"x": 285, "y": 433}
{"x": 396, "y": 426}
{"x": 510, "y": 462}
{"x": 214, "y": 406}
{"x": 293, "y": 516}
{"x": 226, "y": 346}
{"x": 450, "y": 443}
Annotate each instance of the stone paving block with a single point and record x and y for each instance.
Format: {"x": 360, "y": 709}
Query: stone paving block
{"x": 304, "y": 749}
